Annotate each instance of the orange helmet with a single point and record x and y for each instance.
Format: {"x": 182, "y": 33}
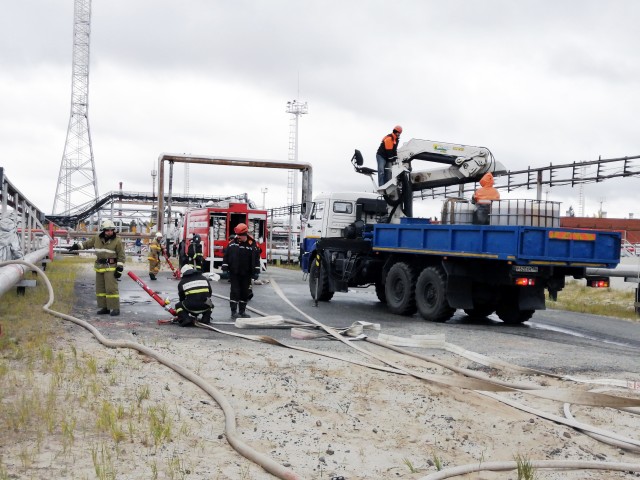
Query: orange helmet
{"x": 241, "y": 229}
{"x": 397, "y": 129}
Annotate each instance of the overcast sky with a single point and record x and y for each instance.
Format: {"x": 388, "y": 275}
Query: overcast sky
{"x": 536, "y": 82}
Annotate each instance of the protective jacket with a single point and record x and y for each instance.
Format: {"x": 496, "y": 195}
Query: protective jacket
{"x": 155, "y": 250}
{"x": 194, "y": 290}
{"x": 242, "y": 258}
{"x": 486, "y": 192}
{"x": 109, "y": 252}
{"x": 388, "y": 148}
{"x": 194, "y": 252}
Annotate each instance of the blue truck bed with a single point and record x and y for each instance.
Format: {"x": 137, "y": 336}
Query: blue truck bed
{"x": 521, "y": 245}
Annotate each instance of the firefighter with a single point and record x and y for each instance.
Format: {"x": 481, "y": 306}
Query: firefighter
{"x": 194, "y": 253}
{"x": 241, "y": 263}
{"x": 387, "y": 153}
{"x": 155, "y": 250}
{"x": 194, "y": 292}
{"x": 482, "y": 199}
{"x": 109, "y": 266}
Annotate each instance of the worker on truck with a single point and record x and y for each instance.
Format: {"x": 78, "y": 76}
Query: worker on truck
{"x": 387, "y": 153}
{"x": 241, "y": 263}
{"x": 482, "y": 199}
{"x": 155, "y": 250}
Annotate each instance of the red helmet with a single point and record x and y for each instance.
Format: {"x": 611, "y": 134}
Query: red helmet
{"x": 241, "y": 229}
{"x": 397, "y": 129}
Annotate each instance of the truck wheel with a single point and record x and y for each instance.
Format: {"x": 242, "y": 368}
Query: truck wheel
{"x": 319, "y": 285}
{"x": 399, "y": 289}
{"x": 431, "y": 296}
{"x": 380, "y": 292}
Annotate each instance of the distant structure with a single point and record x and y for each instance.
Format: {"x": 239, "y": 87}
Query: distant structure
{"x": 295, "y": 108}
{"x": 77, "y": 182}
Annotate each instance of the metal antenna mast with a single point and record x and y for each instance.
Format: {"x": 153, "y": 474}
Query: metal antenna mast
{"x": 295, "y": 108}
{"x": 77, "y": 182}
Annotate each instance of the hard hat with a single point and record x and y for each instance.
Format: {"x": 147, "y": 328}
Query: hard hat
{"x": 158, "y": 234}
{"x": 196, "y": 238}
{"x": 241, "y": 229}
{"x": 397, "y": 129}
{"x": 187, "y": 270}
{"x": 108, "y": 225}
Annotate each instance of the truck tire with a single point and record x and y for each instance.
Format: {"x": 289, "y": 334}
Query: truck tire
{"x": 380, "y": 292}
{"x": 431, "y": 297}
{"x": 319, "y": 284}
{"x": 400, "y": 290}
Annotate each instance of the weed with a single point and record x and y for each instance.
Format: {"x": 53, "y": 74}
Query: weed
{"x": 576, "y": 297}
{"x": 102, "y": 463}
{"x": 409, "y": 465}
{"x": 437, "y": 461}
{"x": 525, "y": 469}
{"x": 143, "y": 394}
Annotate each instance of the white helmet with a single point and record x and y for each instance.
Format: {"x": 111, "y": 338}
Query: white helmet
{"x": 107, "y": 225}
{"x": 158, "y": 234}
{"x": 187, "y": 269}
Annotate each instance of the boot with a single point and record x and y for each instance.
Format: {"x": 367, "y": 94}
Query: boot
{"x": 206, "y": 318}
{"x": 152, "y": 276}
{"x": 234, "y": 310}
{"x": 242, "y": 313}
{"x": 115, "y": 312}
{"x": 185, "y": 320}
{"x": 103, "y": 311}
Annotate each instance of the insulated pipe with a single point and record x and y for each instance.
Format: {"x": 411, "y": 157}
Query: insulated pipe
{"x": 12, "y": 274}
{"x": 614, "y": 272}
{"x": 306, "y": 168}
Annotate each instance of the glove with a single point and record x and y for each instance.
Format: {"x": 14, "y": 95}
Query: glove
{"x": 118, "y": 272}
{"x": 73, "y": 247}
{"x": 224, "y": 275}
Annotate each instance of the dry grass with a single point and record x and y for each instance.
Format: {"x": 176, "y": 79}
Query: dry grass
{"x": 576, "y": 297}
{"x": 51, "y": 394}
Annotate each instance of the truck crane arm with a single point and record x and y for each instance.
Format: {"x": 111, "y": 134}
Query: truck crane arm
{"x": 466, "y": 164}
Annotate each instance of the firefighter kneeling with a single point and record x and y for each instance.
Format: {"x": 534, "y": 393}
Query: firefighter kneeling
{"x": 194, "y": 292}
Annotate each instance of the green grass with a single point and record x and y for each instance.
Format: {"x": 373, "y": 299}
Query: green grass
{"x": 576, "y": 297}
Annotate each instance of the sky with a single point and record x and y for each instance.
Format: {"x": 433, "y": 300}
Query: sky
{"x": 536, "y": 82}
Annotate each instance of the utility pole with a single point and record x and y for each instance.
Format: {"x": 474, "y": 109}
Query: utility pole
{"x": 295, "y": 108}
{"x": 77, "y": 182}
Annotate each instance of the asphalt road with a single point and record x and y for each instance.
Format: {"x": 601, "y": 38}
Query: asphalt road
{"x": 557, "y": 341}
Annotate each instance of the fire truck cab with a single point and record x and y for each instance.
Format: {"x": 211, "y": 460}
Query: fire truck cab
{"x": 215, "y": 226}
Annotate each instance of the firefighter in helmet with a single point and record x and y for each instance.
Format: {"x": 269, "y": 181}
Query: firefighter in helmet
{"x": 109, "y": 265}
{"x": 194, "y": 253}
{"x": 242, "y": 263}
{"x": 155, "y": 250}
{"x": 194, "y": 292}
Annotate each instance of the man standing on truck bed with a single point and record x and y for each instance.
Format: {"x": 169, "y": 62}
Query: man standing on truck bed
{"x": 482, "y": 198}
{"x": 242, "y": 263}
{"x": 387, "y": 153}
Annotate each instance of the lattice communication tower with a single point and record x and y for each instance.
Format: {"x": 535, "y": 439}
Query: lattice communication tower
{"x": 77, "y": 182}
{"x": 295, "y": 108}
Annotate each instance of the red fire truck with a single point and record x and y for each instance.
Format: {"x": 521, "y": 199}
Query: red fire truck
{"x": 215, "y": 226}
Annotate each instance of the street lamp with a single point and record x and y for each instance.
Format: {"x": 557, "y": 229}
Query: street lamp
{"x": 264, "y": 193}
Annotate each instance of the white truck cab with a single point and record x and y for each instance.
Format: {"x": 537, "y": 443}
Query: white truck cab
{"x": 333, "y": 212}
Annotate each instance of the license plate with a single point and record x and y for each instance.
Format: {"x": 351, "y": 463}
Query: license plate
{"x": 525, "y": 269}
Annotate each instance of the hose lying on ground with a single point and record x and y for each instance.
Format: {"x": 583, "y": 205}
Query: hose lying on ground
{"x": 230, "y": 420}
